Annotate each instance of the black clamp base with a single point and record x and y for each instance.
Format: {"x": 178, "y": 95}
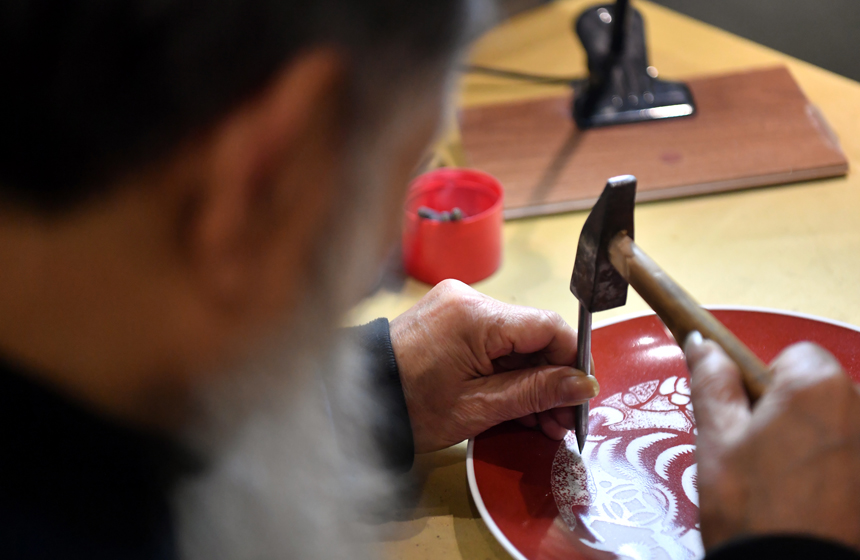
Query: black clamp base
{"x": 622, "y": 87}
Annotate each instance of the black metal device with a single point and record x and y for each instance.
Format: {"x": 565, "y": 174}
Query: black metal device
{"x": 622, "y": 87}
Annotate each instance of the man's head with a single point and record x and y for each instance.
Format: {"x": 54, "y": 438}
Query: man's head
{"x": 176, "y": 176}
{"x": 191, "y": 193}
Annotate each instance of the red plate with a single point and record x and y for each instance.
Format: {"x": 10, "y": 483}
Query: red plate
{"x": 638, "y": 498}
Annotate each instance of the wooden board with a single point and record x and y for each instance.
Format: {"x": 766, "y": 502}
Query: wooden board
{"x": 751, "y": 129}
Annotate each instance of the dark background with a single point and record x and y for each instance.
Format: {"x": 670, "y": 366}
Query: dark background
{"x": 823, "y": 32}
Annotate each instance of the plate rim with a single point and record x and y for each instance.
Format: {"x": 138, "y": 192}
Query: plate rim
{"x": 470, "y": 447}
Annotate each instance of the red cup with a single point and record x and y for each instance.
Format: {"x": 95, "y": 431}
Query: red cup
{"x": 469, "y": 249}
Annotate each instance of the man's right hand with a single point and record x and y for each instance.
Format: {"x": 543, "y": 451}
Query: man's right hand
{"x": 789, "y": 465}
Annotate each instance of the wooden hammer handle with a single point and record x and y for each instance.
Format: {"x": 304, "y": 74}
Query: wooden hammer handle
{"x": 681, "y": 313}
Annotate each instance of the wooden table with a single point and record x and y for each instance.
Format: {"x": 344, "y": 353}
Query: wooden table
{"x": 794, "y": 247}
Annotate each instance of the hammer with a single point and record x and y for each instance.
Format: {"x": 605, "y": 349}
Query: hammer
{"x": 607, "y": 261}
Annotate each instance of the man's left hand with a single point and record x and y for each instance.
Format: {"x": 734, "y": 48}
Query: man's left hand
{"x": 468, "y": 362}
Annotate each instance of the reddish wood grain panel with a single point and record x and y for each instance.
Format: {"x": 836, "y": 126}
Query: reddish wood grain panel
{"x": 751, "y": 129}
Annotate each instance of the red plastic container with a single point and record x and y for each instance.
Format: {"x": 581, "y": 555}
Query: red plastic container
{"x": 469, "y": 249}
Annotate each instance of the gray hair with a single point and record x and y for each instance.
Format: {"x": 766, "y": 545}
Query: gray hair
{"x": 94, "y": 89}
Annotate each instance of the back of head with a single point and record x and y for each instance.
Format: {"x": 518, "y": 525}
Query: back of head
{"x": 94, "y": 89}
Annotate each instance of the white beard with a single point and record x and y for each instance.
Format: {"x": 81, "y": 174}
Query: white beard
{"x": 279, "y": 484}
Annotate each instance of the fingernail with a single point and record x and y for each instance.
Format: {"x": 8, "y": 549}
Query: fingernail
{"x": 580, "y": 388}
{"x": 694, "y": 340}
{"x": 695, "y": 349}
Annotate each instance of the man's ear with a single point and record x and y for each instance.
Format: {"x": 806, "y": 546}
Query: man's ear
{"x": 260, "y": 189}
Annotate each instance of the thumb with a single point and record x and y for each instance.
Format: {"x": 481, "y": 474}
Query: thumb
{"x": 720, "y": 402}
{"x": 527, "y": 391}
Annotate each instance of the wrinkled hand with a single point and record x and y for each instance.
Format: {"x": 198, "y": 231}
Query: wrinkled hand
{"x": 468, "y": 362}
{"x": 791, "y": 464}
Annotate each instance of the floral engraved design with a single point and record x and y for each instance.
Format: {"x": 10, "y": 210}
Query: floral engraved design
{"x": 632, "y": 492}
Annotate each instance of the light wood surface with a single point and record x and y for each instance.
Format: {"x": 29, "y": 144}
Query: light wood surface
{"x": 795, "y": 247}
{"x": 751, "y": 129}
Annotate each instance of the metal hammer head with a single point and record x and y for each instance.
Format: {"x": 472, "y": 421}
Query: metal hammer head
{"x": 595, "y": 282}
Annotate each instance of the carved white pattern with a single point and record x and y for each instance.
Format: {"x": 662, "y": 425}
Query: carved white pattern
{"x": 632, "y": 493}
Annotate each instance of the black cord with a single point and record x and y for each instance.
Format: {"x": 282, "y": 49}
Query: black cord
{"x": 511, "y": 75}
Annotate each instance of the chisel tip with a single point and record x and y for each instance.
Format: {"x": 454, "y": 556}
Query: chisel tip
{"x": 580, "y": 438}
{"x": 580, "y": 424}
